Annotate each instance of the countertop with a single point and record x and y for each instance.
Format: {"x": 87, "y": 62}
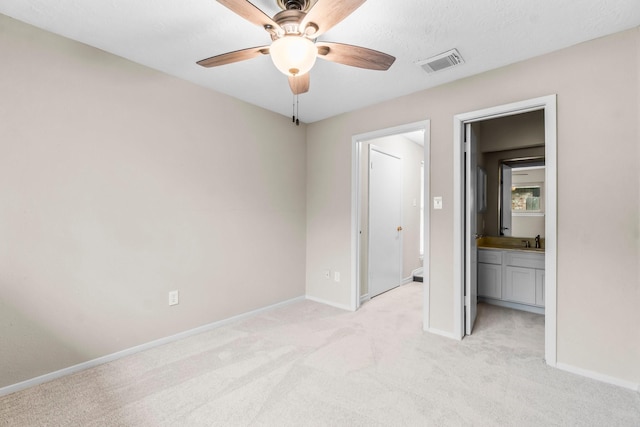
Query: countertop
{"x": 512, "y": 248}
{"x": 509, "y": 244}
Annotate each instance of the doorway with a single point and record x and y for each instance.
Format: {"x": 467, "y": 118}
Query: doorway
{"x": 463, "y": 277}
{"x": 418, "y": 132}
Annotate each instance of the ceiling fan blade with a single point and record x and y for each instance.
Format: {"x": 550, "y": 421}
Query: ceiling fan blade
{"x": 354, "y": 56}
{"x": 299, "y": 84}
{"x": 249, "y": 12}
{"x": 236, "y": 56}
{"x": 327, "y": 13}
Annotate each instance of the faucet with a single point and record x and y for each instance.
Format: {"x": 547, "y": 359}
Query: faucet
{"x": 527, "y": 244}
{"x": 538, "y": 241}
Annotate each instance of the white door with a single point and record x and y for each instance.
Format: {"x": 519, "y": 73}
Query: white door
{"x": 385, "y": 221}
{"x": 505, "y": 211}
{"x": 471, "y": 219}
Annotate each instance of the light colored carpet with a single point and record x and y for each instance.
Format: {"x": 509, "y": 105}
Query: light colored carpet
{"x": 310, "y": 364}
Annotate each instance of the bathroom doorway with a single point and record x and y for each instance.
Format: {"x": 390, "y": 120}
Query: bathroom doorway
{"x": 464, "y": 304}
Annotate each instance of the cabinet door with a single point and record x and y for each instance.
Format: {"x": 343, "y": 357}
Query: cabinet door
{"x": 490, "y": 280}
{"x": 540, "y": 287}
{"x": 519, "y": 285}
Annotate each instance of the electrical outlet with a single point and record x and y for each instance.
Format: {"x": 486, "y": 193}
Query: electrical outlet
{"x": 336, "y": 276}
{"x": 327, "y": 274}
{"x": 173, "y": 298}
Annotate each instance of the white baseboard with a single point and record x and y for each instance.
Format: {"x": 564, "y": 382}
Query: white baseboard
{"x": 514, "y": 305}
{"x": 443, "y": 334}
{"x": 332, "y": 304}
{"x": 407, "y": 280}
{"x": 146, "y": 346}
{"x": 598, "y": 376}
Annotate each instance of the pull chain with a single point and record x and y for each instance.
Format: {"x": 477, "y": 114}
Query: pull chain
{"x": 293, "y": 109}
{"x": 296, "y": 106}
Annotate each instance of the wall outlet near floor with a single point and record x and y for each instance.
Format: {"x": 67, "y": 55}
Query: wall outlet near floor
{"x": 327, "y": 274}
{"x": 173, "y": 298}
{"x": 336, "y": 276}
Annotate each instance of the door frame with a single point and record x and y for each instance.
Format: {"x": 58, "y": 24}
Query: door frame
{"x": 548, "y": 105}
{"x": 470, "y": 226}
{"x": 356, "y": 142}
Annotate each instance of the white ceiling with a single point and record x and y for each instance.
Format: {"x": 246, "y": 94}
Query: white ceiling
{"x": 170, "y": 36}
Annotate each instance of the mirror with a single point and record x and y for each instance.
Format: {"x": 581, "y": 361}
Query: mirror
{"x": 521, "y": 197}
{"x": 514, "y": 141}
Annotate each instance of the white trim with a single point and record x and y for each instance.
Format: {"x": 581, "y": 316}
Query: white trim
{"x": 142, "y": 347}
{"x": 551, "y": 229}
{"x": 514, "y": 305}
{"x": 426, "y": 212}
{"x": 330, "y": 303}
{"x": 426, "y": 288}
{"x": 355, "y": 223}
{"x": 598, "y": 376}
{"x": 442, "y": 333}
{"x": 548, "y": 105}
{"x": 424, "y": 125}
{"x": 458, "y": 226}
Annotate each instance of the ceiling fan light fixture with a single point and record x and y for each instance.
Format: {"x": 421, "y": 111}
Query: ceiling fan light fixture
{"x": 293, "y": 55}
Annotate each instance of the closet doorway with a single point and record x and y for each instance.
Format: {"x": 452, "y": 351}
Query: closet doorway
{"x": 401, "y": 142}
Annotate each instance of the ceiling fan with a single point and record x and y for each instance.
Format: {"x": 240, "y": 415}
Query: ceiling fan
{"x": 294, "y": 31}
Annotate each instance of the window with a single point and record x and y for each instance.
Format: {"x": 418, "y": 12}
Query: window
{"x": 525, "y": 198}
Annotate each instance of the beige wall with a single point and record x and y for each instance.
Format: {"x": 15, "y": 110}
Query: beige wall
{"x": 119, "y": 184}
{"x": 411, "y": 155}
{"x": 598, "y": 278}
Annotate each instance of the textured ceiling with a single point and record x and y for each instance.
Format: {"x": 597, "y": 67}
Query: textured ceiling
{"x": 171, "y": 36}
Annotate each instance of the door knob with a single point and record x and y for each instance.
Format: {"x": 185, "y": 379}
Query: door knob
{"x": 399, "y": 228}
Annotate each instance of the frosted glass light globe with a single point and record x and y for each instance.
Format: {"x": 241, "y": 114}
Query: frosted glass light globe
{"x": 293, "y": 55}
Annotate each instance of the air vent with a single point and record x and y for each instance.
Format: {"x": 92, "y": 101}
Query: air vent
{"x": 447, "y": 59}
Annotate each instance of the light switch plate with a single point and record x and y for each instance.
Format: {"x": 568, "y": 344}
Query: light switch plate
{"x": 437, "y": 202}
{"x": 173, "y": 298}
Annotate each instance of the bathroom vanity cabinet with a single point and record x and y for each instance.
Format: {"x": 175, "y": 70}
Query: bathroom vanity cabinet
{"x": 512, "y": 278}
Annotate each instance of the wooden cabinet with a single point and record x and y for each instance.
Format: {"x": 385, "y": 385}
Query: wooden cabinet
{"x": 512, "y": 278}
